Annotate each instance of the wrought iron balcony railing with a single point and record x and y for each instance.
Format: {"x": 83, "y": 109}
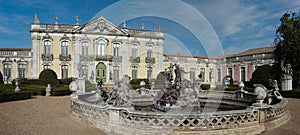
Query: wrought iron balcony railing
{"x": 104, "y": 57}
{"x": 135, "y": 59}
{"x": 117, "y": 58}
{"x": 149, "y": 60}
{"x": 65, "y": 57}
{"x": 47, "y": 57}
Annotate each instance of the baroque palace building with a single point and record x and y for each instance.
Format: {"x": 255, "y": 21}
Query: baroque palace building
{"x": 96, "y": 50}
{"x": 100, "y": 49}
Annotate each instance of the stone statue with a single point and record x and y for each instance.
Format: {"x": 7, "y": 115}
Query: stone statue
{"x": 287, "y": 70}
{"x": 177, "y": 73}
{"x": 99, "y": 83}
{"x": 169, "y": 73}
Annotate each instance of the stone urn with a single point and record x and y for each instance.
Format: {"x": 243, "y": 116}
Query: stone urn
{"x": 48, "y": 90}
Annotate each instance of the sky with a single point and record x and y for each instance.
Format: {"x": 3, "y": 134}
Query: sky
{"x": 191, "y": 27}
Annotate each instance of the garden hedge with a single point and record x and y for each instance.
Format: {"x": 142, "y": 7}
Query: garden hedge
{"x": 13, "y": 96}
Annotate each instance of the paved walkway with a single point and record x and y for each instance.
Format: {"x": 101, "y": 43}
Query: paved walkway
{"x": 50, "y": 116}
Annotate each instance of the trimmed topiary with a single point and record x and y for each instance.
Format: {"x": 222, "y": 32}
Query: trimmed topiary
{"x": 48, "y": 74}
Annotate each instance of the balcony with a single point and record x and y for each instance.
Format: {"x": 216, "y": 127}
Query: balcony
{"x": 65, "y": 57}
{"x": 149, "y": 60}
{"x": 135, "y": 59}
{"x": 103, "y": 57}
{"x": 117, "y": 58}
{"x": 47, "y": 57}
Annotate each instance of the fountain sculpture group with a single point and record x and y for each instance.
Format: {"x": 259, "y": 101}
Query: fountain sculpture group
{"x": 180, "y": 107}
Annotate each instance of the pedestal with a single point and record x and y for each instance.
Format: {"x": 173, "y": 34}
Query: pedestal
{"x": 286, "y": 84}
{"x": 81, "y": 85}
{"x": 212, "y": 84}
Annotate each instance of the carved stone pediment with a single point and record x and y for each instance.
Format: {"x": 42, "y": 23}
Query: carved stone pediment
{"x": 102, "y": 26}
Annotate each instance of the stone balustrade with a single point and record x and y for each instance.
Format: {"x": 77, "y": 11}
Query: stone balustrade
{"x": 126, "y": 120}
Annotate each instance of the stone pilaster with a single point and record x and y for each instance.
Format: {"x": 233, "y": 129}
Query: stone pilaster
{"x": 35, "y": 45}
{"x": 159, "y": 64}
{"x": 76, "y": 59}
{"x": 125, "y": 59}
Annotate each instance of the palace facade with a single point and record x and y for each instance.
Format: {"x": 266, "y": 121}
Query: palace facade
{"x": 100, "y": 49}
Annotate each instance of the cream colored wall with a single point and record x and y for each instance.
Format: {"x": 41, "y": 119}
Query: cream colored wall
{"x": 56, "y": 51}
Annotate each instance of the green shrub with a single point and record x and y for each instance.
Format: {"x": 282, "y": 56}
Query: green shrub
{"x": 48, "y": 74}
{"x": 53, "y": 82}
{"x": 61, "y": 92}
{"x": 66, "y": 80}
{"x": 34, "y": 89}
{"x": 205, "y": 86}
{"x": 291, "y": 94}
{"x": 6, "y": 88}
{"x": 13, "y": 96}
{"x": 232, "y": 88}
{"x": 160, "y": 78}
{"x": 137, "y": 86}
{"x": 138, "y": 81}
{"x": 21, "y": 81}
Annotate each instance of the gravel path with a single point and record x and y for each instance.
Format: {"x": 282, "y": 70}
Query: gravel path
{"x": 42, "y": 116}
{"x": 50, "y": 116}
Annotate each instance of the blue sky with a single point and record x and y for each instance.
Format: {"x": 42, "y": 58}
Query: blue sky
{"x": 191, "y": 27}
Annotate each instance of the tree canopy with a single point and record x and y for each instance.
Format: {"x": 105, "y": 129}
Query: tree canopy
{"x": 287, "y": 43}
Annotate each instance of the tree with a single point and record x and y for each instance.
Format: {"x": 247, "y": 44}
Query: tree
{"x": 262, "y": 75}
{"x": 1, "y": 78}
{"x": 287, "y": 43}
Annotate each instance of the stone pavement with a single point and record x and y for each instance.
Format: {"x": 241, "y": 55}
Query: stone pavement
{"x": 50, "y": 116}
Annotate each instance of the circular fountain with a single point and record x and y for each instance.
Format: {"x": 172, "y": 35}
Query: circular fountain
{"x": 181, "y": 107}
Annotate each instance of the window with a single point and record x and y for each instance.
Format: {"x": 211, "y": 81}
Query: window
{"x": 85, "y": 48}
{"x": 219, "y": 74}
{"x": 149, "y": 51}
{"x": 134, "y": 72}
{"x": 192, "y": 74}
{"x": 99, "y": 71}
{"x": 211, "y": 74}
{"x": 103, "y": 73}
{"x": 47, "y": 47}
{"x": 243, "y": 74}
{"x": 7, "y": 69}
{"x": 149, "y": 72}
{"x": 229, "y": 72}
{"x": 202, "y": 74}
{"x": 22, "y": 70}
{"x": 116, "y": 49}
{"x": 134, "y": 51}
{"x": 64, "y": 71}
{"x": 116, "y": 73}
{"x": 101, "y": 48}
{"x": 47, "y": 67}
{"x": 64, "y": 47}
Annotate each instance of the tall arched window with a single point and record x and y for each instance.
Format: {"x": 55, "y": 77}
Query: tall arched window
{"x": 22, "y": 69}
{"x": 64, "y": 71}
{"x": 149, "y": 72}
{"x": 134, "y": 50}
{"x": 149, "y": 51}
{"x": 116, "y": 73}
{"x": 116, "y": 49}
{"x": 64, "y": 47}
{"x": 85, "y": 48}
{"x": 134, "y": 72}
{"x": 101, "y": 47}
{"x": 47, "y": 47}
{"x": 202, "y": 74}
{"x": 7, "y": 69}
